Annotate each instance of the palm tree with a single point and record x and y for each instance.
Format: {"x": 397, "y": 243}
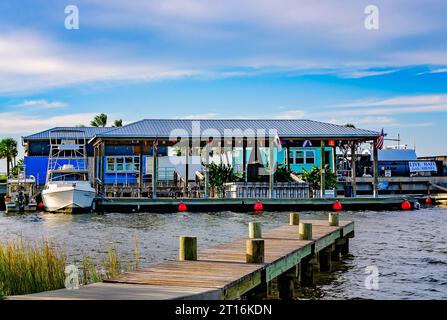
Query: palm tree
{"x": 118, "y": 123}
{"x": 99, "y": 121}
{"x": 8, "y": 151}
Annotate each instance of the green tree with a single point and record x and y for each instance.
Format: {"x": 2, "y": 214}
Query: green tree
{"x": 99, "y": 121}
{"x": 118, "y": 123}
{"x": 8, "y": 151}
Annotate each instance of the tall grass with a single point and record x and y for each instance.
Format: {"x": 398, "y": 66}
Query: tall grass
{"x": 29, "y": 268}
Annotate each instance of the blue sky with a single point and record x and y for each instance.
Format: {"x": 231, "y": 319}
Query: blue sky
{"x": 227, "y": 59}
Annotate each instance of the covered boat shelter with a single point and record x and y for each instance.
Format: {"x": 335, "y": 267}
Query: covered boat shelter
{"x": 132, "y": 155}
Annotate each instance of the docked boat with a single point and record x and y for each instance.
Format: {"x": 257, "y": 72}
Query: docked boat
{"x": 68, "y": 188}
{"x": 21, "y": 194}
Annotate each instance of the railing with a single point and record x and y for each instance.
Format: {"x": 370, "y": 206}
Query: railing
{"x": 281, "y": 190}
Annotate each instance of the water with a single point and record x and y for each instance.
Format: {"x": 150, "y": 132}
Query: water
{"x": 408, "y": 248}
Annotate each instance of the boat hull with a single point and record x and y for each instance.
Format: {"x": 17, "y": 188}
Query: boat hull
{"x": 68, "y": 200}
{"x": 14, "y": 207}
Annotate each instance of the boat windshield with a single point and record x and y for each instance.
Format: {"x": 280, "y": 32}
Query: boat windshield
{"x": 73, "y": 176}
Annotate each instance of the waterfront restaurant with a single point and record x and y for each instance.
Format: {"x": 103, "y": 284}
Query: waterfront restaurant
{"x": 170, "y": 158}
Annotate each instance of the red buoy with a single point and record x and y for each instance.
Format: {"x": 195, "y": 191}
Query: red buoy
{"x": 337, "y": 206}
{"x": 406, "y": 205}
{"x": 258, "y": 206}
{"x": 182, "y": 207}
{"x": 428, "y": 200}
{"x": 40, "y": 205}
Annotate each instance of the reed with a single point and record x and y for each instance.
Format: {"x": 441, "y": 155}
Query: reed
{"x": 29, "y": 268}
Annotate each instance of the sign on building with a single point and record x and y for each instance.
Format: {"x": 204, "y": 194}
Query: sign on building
{"x": 421, "y": 166}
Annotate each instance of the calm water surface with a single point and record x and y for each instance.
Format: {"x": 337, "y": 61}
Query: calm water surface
{"x": 408, "y": 248}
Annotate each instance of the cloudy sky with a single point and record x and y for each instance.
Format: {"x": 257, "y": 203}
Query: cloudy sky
{"x": 309, "y": 59}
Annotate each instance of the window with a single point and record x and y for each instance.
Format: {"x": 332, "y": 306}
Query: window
{"x": 310, "y": 157}
{"x": 302, "y": 157}
{"x": 110, "y": 164}
{"x": 123, "y": 164}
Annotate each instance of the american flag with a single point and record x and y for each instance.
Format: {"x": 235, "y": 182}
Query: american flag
{"x": 379, "y": 141}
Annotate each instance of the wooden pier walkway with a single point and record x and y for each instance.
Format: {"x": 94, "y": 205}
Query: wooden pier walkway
{"x": 222, "y": 272}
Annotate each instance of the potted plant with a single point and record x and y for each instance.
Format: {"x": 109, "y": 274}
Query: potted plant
{"x": 219, "y": 174}
{"x": 313, "y": 177}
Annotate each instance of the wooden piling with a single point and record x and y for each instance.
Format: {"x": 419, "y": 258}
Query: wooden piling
{"x": 294, "y": 219}
{"x": 324, "y": 259}
{"x": 288, "y": 283}
{"x": 254, "y": 251}
{"x": 333, "y": 219}
{"x": 307, "y": 270}
{"x": 187, "y": 248}
{"x": 345, "y": 247}
{"x": 305, "y": 231}
{"x": 254, "y": 230}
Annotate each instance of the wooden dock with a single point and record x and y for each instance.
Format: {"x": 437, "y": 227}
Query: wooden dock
{"x": 160, "y": 205}
{"x": 222, "y": 272}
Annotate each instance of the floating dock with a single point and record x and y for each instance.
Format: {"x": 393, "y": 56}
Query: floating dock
{"x": 289, "y": 256}
{"x": 246, "y": 204}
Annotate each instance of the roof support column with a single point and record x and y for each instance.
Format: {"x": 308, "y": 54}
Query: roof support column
{"x": 353, "y": 168}
{"x": 140, "y": 169}
{"x": 154, "y": 169}
{"x": 322, "y": 170}
{"x": 271, "y": 168}
{"x": 375, "y": 169}
{"x": 244, "y": 159}
{"x": 207, "y": 174}
{"x": 188, "y": 148}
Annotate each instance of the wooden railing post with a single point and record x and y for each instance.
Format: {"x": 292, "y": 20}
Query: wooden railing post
{"x": 305, "y": 231}
{"x": 188, "y": 248}
{"x": 254, "y": 230}
{"x": 333, "y": 219}
{"x": 294, "y": 219}
{"x": 255, "y": 251}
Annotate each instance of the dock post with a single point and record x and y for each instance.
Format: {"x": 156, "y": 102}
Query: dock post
{"x": 294, "y": 219}
{"x": 307, "y": 269}
{"x": 305, "y": 231}
{"x": 333, "y": 219}
{"x": 345, "y": 247}
{"x": 188, "y": 248}
{"x": 254, "y": 230}
{"x": 288, "y": 282}
{"x": 254, "y": 251}
{"x": 324, "y": 258}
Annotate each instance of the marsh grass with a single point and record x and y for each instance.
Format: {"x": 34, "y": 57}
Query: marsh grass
{"x": 29, "y": 268}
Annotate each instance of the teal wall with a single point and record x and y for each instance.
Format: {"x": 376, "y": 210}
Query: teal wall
{"x": 317, "y": 151}
{"x": 281, "y": 158}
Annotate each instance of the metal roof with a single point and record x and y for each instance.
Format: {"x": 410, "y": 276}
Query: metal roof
{"x": 397, "y": 155}
{"x": 68, "y": 132}
{"x": 169, "y": 128}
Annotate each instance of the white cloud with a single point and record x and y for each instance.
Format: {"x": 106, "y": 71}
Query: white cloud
{"x": 357, "y": 74}
{"x": 42, "y": 104}
{"x": 12, "y": 123}
{"x": 29, "y": 62}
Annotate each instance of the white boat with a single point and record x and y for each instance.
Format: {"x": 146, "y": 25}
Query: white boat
{"x": 21, "y": 193}
{"x": 67, "y": 189}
